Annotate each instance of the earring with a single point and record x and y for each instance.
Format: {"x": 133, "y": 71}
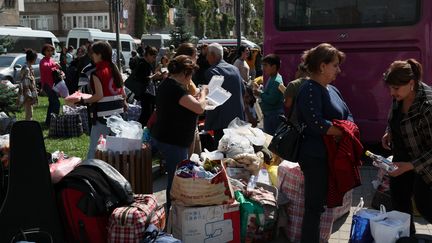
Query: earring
{"x": 412, "y": 88}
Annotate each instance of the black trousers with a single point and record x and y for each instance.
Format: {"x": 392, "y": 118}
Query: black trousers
{"x": 403, "y": 188}
{"x": 315, "y": 173}
{"x": 147, "y": 108}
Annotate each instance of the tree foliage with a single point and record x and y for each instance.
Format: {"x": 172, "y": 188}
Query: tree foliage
{"x": 6, "y": 42}
{"x": 8, "y": 98}
{"x": 144, "y": 21}
{"x": 161, "y": 13}
{"x": 180, "y": 34}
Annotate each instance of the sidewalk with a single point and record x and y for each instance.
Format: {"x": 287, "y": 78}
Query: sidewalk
{"x": 341, "y": 228}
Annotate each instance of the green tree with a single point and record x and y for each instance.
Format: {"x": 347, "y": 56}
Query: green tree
{"x": 5, "y": 43}
{"x": 180, "y": 34}
{"x": 144, "y": 21}
{"x": 227, "y": 24}
{"x": 8, "y": 98}
{"x": 172, "y": 3}
{"x": 161, "y": 13}
{"x": 214, "y": 18}
{"x": 140, "y": 16}
{"x": 198, "y": 9}
{"x": 246, "y": 17}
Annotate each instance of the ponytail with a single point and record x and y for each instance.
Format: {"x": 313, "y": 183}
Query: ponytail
{"x": 416, "y": 69}
{"x": 118, "y": 80}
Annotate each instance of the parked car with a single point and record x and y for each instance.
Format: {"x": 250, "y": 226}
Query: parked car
{"x": 11, "y": 64}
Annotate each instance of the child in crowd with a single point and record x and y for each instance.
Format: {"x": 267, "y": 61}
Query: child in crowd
{"x": 272, "y": 94}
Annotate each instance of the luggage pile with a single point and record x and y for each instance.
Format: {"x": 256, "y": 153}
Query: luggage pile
{"x": 225, "y": 195}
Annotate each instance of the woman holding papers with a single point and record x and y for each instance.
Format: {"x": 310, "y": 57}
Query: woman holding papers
{"x": 176, "y": 111}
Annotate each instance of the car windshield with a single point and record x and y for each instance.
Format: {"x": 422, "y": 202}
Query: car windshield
{"x": 6, "y": 61}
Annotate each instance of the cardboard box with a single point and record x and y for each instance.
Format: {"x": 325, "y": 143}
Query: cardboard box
{"x": 213, "y": 224}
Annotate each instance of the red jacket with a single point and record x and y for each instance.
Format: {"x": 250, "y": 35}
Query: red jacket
{"x": 344, "y": 162}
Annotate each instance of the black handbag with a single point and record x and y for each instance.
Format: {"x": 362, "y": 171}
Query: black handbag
{"x": 134, "y": 85}
{"x": 286, "y": 140}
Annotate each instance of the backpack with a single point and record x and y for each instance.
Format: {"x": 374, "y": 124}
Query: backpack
{"x": 86, "y": 197}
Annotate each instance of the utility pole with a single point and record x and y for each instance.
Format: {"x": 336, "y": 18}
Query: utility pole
{"x": 238, "y": 22}
{"x": 117, "y": 23}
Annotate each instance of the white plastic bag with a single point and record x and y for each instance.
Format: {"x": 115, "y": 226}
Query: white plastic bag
{"x": 254, "y": 135}
{"x": 232, "y": 144}
{"x": 61, "y": 89}
{"x": 128, "y": 134}
{"x": 388, "y": 227}
{"x": 124, "y": 129}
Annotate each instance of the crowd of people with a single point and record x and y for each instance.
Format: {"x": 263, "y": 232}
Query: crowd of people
{"x": 175, "y": 90}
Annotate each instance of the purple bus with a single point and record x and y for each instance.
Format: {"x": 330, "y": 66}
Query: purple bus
{"x": 372, "y": 33}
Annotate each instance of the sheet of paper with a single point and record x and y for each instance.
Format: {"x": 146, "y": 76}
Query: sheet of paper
{"x": 216, "y": 81}
{"x": 217, "y": 97}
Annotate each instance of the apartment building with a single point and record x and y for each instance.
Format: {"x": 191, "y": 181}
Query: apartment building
{"x": 9, "y": 11}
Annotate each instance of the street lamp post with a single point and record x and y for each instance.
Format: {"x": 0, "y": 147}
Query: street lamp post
{"x": 117, "y": 25}
{"x": 238, "y": 22}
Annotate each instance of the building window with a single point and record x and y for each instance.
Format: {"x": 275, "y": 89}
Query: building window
{"x": 38, "y": 22}
{"x": 9, "y": 3}
{"x": 90, "y": 20}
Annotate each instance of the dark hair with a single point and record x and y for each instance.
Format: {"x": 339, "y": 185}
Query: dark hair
{"x": 104, "y": 49}
{"x": 272, "y": 59}
{"x": 241, "y": 49}
{"x": 301, "y": 71}
{"x": 31, "y": 55}
{"x": 187, "y": 49}
{"x": 70, "y": 48}
{"x": 401, "y": 72}
{"x": 133, "y": 53}
{"x": 150, "y": 51}
{"x": 45, "y": 47}
{"x": 182, "y": 64}
{"x": 323, "y": 53}
{"x": 140, "y": 51}
{"x": 164, "y": 57}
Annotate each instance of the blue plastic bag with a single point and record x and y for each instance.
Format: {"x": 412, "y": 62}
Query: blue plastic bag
{"x": 360, "y": 226}
{"x": 360, "y": 230}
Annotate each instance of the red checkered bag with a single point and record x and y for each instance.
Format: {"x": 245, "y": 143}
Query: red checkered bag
{"x": 292, "y": 186}
{"x": 128, "y": 224}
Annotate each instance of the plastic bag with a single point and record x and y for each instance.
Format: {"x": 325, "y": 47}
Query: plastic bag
{"x": 125, "y": 129}
{"x": 254, "y": 135}
{"x": 388, "y": 227}
{"x": 62, "y": 167}
{"x": 233, "y": 144}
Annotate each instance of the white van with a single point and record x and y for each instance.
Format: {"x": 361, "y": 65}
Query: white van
{"x": 155, "y": 40}
{"x": 24, "y": 37}
{"x": 228, "y": 42}
{"x": 79, "y": 36}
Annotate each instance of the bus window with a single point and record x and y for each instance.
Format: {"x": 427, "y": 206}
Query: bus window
{"x": 21, "y": 43}
{"x": 82, "y": 42}
{"x": 330, "y": 14}
{"x": 73, "y": 42}
{"x": 125, "y": 46}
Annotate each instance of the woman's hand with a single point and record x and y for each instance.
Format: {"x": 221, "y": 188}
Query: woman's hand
{"x": 386, "y": 141}
{"x": 402, "y": 168}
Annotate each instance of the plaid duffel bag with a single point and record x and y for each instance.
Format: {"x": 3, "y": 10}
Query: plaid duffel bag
{"x": 128, "y": 224}
{"x": 82, "y": 111}
{"x": 66, "y": 125}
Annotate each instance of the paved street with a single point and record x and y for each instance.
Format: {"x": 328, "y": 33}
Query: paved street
{"x": 341, "y": 228}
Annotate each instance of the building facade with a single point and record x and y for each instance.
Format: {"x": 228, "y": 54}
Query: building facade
{"x": 9, "y": 12}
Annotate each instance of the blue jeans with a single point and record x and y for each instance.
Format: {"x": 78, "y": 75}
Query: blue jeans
{"x": 272, "y": 121}
{"x": 53, "y": 103}
{"x": 173, "y": 155}
{"x": 97, "y": 129}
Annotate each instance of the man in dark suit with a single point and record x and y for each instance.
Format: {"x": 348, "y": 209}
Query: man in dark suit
{"x": 221, "y": 116}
